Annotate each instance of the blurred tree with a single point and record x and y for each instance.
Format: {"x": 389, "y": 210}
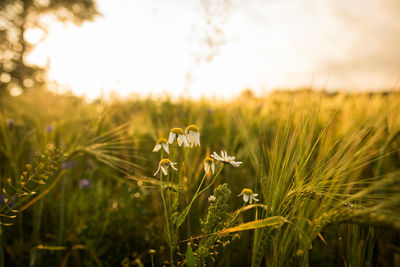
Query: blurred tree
{"x": 17, "y": 18}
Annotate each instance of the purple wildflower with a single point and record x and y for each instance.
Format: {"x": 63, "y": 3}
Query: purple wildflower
{"x": 84, "y": 183}
{"x": 68, "y": 164}
{"x": 49, "y": 128}
{"x": 3, "y": 199}
{"x": 11, "y": 123}
{"x": 10, "y": 202}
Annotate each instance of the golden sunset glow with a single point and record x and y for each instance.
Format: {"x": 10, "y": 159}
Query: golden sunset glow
{"x": 199, "y": 133}
{"x": 152, "y": 47}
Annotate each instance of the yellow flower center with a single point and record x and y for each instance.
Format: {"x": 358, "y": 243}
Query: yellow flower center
{"x": 209, "y": 159}
{"x": 177, "y": 130}
{"x": 161, "y": 141}
{"x": 165, "y": 161}
{"x": 193, "y": 128}
{"x": 247, "y": 191}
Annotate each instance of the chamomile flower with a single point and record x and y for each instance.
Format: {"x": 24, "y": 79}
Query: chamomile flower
{"x": 179, "y": 135}
{"x": 212, "y": 199}
{"x": 163, "y": 166}
{"x": 192, "y": 133}
{"x": 209, "y": 164}
{"x": 161, "y": 143}
{"x": 248, "y": 195}
{"x": 225, "y": 158}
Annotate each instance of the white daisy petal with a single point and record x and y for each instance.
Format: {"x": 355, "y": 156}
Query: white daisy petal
{"x": 197, "y": 138}
{"x": 171, "y": 137}
{"x": 185, "y": 142}
{"x": 246, "y": 197}
{"x": 164, "y": 170}
{"x": 189, "y": 136}
{"x": 213, "y": 167}
{"x": 194, "y": 138}
{"x": 190, "y": 141}
{"x": 157, "y": 148}
{"x": 206, "y": 167}
{"x": 179, "y": 139}
{"x": 166, "y": 148}
{"x": 216, "y": 156}
{"x": 157, "y": 171}
{"x": 173, "y": 165}
{"x": 235, "y": 163}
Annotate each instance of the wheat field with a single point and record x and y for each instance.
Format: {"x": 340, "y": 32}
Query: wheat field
{"x": 292, "y": 179}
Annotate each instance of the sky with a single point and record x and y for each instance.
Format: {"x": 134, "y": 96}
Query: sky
{"x": 186, "y": 48}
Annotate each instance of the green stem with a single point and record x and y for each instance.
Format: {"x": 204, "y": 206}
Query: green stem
{"x": 171, "y": 178}
{"x": 167, "y": 223}
{"x": 183, "y": 164}
{"x": 213, "y": 180}
{"x": 241, "y": 209}
{"x": 255, "y": 236}
{"x": 62, "y": 210}
{"x": 181, "y": 171}
{"x": 36, "y": 233}
{"x": 198, "y": 189}
{"x": 1, "y": 244}
{"x": 173, "y": 155}
{"x": 187, "y": 209}
{"x": 61, "y": 219}
{"x": 21, "y": 237}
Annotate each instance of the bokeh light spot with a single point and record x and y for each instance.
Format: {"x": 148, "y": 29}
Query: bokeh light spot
{"x": 15, "y": 90}
{"x": 5, "y": 77}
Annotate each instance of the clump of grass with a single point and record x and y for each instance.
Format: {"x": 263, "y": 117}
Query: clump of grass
{"x": 314, "y": 178}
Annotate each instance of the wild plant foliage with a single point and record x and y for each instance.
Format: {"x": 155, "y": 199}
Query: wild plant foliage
{"x": 299, "y": 179}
